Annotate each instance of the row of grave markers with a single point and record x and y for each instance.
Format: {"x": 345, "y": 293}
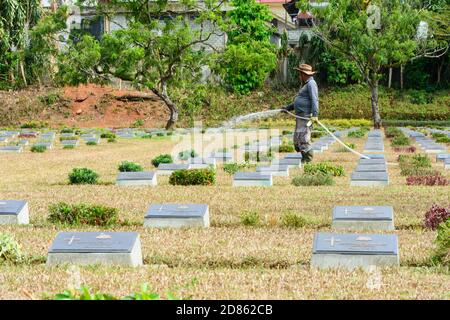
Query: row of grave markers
{"x": 330, "y": 250}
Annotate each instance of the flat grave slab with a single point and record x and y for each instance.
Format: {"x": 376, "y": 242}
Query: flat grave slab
{"x": 177, "y": 216}
{"x": 350, "y": 251}
{"x": 447, "y": 164}
{"x": 168, "y": 168}
{"x": 222, "y": 156}
{"x": 23, "y": 142}
{"x": 89, "y": 248}
{"x": 371, "y": 168}
{"x": 11, "y": 149}
{"x": 371, "y": 161}
{"x": 70, "y": 143}
{"x": 363, "y": 217}
{"x": 367, "y": 179}
{"x": 199, "y": 160}
{"x": 48, "y": 145}
{"x": 14, "y": 212}
{"x": 293, "y": 156}
{"x": 67, "y": 134}
{"x": 4, "y": 139}
{"x": 144, "y": 178}
{"x": 274, "y": 170}
{"x": 374, "y": 156}
{"x": 290, "y": 162}
{"x": 252, "y": 179}
{"x": 95, "y": 139}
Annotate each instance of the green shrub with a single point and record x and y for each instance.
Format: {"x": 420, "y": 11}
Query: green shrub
{"x": 69, "y": 146}
{"x": 127, "y": 166}
{"x": 286, "y": 132}
{"x": 400, "y": 140}
{"x": 91, "y": 143}
{"x": 10, "y": 251}
{"x": 83, "y": 176}
{"x": 186, "y": 154}
{"x": 163, "y": 158}
{"x": 82, "y": 214}
{"x": 286, "y": 148}
{"x": 85, "y": 293}
{"x": 68, "y": 138}
{"x": 418, "y": 171}
{"x": 250, "y": 218}
{"x": 258, "y": 156}
{"x": 39, "y": 148}
{"x": 317, "y": 134}
{"x": 232, "y": 168}
{"x": 293, "y": 220}
{"x": 319, "y": 179}
{"x": 445, "y": 139}
{"x": 442, "y": 252}
{"x": 49, "y": 99}
{"x": 324, "y": 167}
{"x": 359, "y": 133}
{"x": 392, "y": 132}
{"x": 67, "y": 130}
{"x": 138, "y": 123}
{"x": 33, "y": 125}
{"x": 418, "y": 164}
{"x": 147, "y": 136}
{"x": 108, "y": 135}
{"x": 112, "y": 140}
{"x": 193, "y": 177}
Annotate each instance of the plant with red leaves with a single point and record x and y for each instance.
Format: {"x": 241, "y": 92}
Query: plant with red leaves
{"x": 405, "y": 149}
{"x": 427, "y": 180}
{"x": 436, "y": 215}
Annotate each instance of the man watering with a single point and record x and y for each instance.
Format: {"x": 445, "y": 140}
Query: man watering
{"x": 306, "y": 105}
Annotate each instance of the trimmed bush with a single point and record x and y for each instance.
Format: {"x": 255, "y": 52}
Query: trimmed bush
{"x": 108, "y": 135}
{"x": 82, "y": 214}
{"x": 415, "y": 165}
{"x": 286, "y": 148}
{"x": 250, "y": 218}
{"x": 112, "y": 140}
{"x": 442, "y": 252}
{"x": 204, "y": 177}
{"x": 286, "y": 132}
{"x": 324, "y": 167}
{"x": 392, "y": 132}
{"x": 258, "y": 156}
{"x": 67, "y": 130}
{"x": 434, "y": 180}
{"x": 163, "y": 158}
{"x": 69, "y": 146}
{"x": 91, "y": 143}
{"x": 319, "y": 179}
{"x": 83, "y": 176}
{"x": 38, "y": 148}
{"x": 359, "y": 133}
{"x": 443, "y": 139}
{"x": 68, "y": 138}
{"x": 186, "y": 154}
{"x": 10, "y": 251}
{"x": 401, "y": 140}
{"x": 85, "y": 293}
{"x": 232, "y": 168}
{"x": 128, "y": 166}
{"x": 293, "y": 220}
{"x": 435, "y": 216}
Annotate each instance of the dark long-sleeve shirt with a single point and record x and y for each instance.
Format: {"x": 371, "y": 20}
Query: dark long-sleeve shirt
{"x": 307, "y": 100}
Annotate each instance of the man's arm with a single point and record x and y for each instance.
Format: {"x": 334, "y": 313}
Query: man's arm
{"x": 289, "y": 107}
{"x": 314, "y": 95}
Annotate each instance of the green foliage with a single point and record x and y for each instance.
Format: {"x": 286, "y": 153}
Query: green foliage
{"x": 10, "y": 251}
{"x": 392, "y": 132}
{"x": 108, "y": 135}
{"x": 67, "y": 130}
{"x": 293, "y": 220}
{"x": 82, "y": 214}
{"x": 193, "y": 177}
{"x": 324, "y": 167}
{"x": 33, "y": 125}
{"x": 138, "y": 123}
{"x": 401, "y": 140}
{"x": 39, "y": 148}
{"x": 359, "y": 133}
{"x": 250, "y": 218}
{"x": 186, "y": 154}
{"x": 342, "y": 149}
{"x": 85, "y": 293}
{"x": 258, "y": 156}
{"x": 286, "y": 148}
{"x": 69, "y": 146}
{"x": 83, "y": 176}
{"x": 163, "y": 158}
{"x": 442, "y": 252}
{"x": 415, "y": 165}
{"x": 441, "y": 138}
{"x": 319, "y": 179}
{"x": 91, "y": 143}
{"x": 112, "y": 140}
{"x": 127, "y": 166}
{"x": 49, "y": 99}
{"x": 68, "y": 138}
{"x": 232, "y": 168}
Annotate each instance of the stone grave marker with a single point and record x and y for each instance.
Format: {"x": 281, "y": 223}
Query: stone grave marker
{"x": 447, "y": 164}
{"x": 168, "y": 168}
{"x": 274, "y": 170}
{"x": 14, "y": 212}
{"x": 177, "y": 216}
{"x": 350, "y": 251}
{"x": 363, "y": 217}
{"x": 296, "y": 155}
{"x": 367, "y": 179}
{"x": 252, "y": 179}
{"x": 371, "y": 161}
{"x": 90, "y": 248}
{"x": 371, "y": 168}
{"x": 11, "y": 149}
{"x": 144, "y": 178}
{"x": 290, "y": 162}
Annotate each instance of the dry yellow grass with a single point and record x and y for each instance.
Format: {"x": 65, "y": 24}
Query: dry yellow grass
{"x": 227, "y": 260}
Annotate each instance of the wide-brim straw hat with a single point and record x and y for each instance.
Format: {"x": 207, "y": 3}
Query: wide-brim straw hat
{"x": 306, "y": 69}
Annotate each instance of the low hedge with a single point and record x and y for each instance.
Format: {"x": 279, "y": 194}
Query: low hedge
{"x": 306, "y": 179}
{"x": 82, "y": 214}
{"x": 442, "y": 253}
{"x": 162, "y": 158}
{"x": 204, "y": 177}
{"x": 83, "y": 176}
{"x": 324, "y": 167}
{"x": 128, "y": 166}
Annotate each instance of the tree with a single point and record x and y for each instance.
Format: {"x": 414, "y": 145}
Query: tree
{"x": 249, "y": 56}
{"x": 160, "y": 46}
{"x": 375, "y": 35}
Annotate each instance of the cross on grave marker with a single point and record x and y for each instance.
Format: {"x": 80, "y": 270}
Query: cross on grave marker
{"x": 332, "y": 240}
{"x": 72, "y": 239}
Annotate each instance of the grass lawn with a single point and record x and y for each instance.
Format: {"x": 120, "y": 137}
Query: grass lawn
{"x": 228, "y": 260}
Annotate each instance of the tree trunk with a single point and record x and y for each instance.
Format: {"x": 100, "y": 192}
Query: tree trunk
{"x": 390, "y": 78}
{"x": 439, "y": 71}
{"x": 170, "y": 104}
{"x": 401, "y": 77}
{"x": 375, "y": 109}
